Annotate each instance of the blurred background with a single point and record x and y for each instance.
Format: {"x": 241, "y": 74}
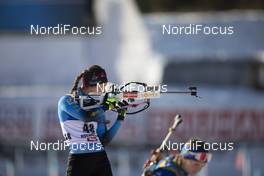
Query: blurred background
{"x": 228, "y": 71}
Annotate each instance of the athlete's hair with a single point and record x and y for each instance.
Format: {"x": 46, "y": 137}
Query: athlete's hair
{"x": 90, "y": 77}
{"x": 76, "y": 83}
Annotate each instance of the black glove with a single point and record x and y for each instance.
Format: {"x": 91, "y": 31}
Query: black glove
{"x": 122, "y": 110}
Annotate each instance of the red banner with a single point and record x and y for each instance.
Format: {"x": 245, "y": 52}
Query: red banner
{"x": 222, "y": 124}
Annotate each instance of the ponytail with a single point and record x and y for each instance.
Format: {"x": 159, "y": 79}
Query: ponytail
{"x": 75, "y": 85}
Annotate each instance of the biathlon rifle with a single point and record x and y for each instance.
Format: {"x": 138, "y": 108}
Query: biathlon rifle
{"x": 138, "y": 99}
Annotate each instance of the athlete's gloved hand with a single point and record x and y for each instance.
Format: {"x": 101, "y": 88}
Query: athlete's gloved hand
{"x": 122, "y": 110}
{"x": 111, "y": 103}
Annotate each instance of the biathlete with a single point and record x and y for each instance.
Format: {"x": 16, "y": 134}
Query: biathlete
{"x": 190, "y": 161}
{"x": 84, "y": 127}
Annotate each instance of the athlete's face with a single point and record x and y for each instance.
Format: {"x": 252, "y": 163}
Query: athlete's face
{"x": 192, "y": 167}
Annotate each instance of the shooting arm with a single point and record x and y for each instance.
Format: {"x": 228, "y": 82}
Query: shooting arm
{"x": 106, "y": 135}
{"x": 112, "y": 132}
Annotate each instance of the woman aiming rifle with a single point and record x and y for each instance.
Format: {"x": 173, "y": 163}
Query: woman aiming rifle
{"x": 83, "y": 124}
